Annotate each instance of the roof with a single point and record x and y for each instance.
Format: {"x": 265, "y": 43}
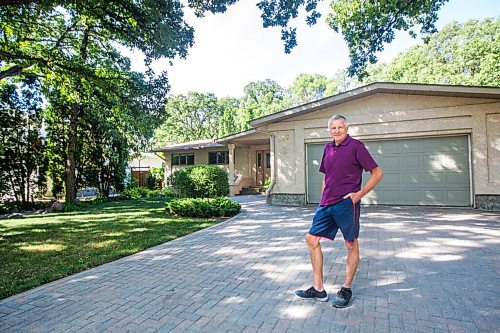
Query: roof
{"x": 191, "y": 145}
{"x": 375, "y": 88}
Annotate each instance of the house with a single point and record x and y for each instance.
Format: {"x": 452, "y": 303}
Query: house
{"x": 436, "y": 144}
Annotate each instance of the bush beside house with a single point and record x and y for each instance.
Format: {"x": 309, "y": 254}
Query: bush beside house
{"x": 204, "y": 189}
{"x": 201, "y": 181}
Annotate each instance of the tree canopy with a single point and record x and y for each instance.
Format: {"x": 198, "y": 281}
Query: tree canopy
{"x": 460, "y": 54}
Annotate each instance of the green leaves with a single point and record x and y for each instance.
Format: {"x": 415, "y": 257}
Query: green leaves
{"x": 207, "y": 207}
{"x": 460, "y": 54}
{"x": 201, "y": 181}
{"x": 368, "y": 25}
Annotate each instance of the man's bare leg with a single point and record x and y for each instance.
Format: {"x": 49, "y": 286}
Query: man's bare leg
{"x": 316, "y": 255}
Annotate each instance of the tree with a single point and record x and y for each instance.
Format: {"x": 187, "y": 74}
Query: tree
{"x": 22, "y": 153}
{"x": 368, "y": 25}
{"x": 192, "y": 117}
{"x": 262, "y": 98}
{"x": 460, "y": 54}
{"x": 158, "y": 29}
{"x": 228, "y": 123}
{"x": 309, "y": 87}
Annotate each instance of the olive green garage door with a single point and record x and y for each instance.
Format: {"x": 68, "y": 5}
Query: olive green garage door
{"x": 423, "y": 171}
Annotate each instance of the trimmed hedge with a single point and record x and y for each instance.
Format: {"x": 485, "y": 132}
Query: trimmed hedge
{"x": 206, "y": 207}
{"x": 143, "y": 192}
{"x": 201, "y": 181}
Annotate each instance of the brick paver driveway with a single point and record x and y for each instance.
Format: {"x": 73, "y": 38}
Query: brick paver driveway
{"x": 422, "y": 270}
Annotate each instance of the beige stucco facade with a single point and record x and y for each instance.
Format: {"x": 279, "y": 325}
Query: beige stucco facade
{"x": 377, "y": 112}
{"x": 387, "y": 116}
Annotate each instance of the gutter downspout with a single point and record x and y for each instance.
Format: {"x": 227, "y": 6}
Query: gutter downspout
{"x": 273, "y": 162}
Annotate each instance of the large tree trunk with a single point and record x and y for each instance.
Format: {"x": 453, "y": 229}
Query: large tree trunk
{"x": 71, "y": 186}
{"x": 71, "y": 160}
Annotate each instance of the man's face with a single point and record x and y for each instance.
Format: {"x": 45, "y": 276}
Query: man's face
{"x": 338, "y": 130}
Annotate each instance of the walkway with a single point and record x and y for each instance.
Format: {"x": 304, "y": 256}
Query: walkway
{"x": 422, "y": 270}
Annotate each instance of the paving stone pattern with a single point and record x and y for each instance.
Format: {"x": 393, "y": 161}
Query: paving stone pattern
{"x": 422, "y": 270}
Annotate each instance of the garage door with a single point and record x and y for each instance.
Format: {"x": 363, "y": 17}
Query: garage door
{"x": 424, "y": 171}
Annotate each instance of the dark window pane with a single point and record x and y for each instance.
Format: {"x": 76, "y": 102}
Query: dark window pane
{"x": 212, "y": 158}
{"x": 182, "y": 160}
{"x": 190, "y": 159}
{"x": 175, "y": 159}
{"x": 268, "y": 160}
{"x": 221, "y": 157}
{"x": 259, "y": 160}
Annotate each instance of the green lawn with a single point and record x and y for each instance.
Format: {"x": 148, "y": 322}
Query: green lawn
{"x": 42, "y": 248}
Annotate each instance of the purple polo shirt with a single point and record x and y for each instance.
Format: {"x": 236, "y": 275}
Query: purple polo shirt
{"x": 343, "y": 166}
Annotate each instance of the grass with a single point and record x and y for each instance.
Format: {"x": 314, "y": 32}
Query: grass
{"x": 41, "y": 248}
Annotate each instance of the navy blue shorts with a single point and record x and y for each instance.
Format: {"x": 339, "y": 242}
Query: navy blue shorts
{"x": 328, "y": 219}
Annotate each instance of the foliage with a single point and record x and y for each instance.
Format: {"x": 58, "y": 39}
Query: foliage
{"x": 143, "y": 192}
{"x": 192, "y": 117}
{"x": 41, "y": 248}
{"x": 228, "y": 123}
{"x": 201, "y": 181}
{"x": 368, "y": 25}
{"x": 155, "y": 178}
{"x": 310, "y": 87}
{"x": 7, "y": 206}
{"x": 460, "y": 54}
{"x": 23, "y": 160}
{"x": 203, "y": 207}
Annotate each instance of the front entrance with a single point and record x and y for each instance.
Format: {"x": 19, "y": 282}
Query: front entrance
{"x": 263, "y": 167}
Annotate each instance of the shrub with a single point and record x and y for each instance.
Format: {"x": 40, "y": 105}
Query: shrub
{"x": 203, "y": 207}
{"x": 155, "y": 178}
{"x": 140, "y": 192}
{"x": 201, "y": 181}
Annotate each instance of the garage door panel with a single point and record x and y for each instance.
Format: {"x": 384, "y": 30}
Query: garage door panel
{"x": 390, "y": 163}
{"x": 456, "y": 197}
{"x": 411, "y": 162}
{"x": 411, "y": 179}
{"x": 423, "y": 171}
{"x": 410, "y": 147}
{"x": 434, "y": 197}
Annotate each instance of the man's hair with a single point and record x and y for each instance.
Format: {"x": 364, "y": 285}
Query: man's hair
{"x": 337, "y": 117}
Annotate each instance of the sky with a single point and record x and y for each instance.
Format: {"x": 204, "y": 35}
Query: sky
{"x": 233, "y": 49}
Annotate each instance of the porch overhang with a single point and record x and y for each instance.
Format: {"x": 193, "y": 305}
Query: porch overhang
{"x": 248, "y": 138}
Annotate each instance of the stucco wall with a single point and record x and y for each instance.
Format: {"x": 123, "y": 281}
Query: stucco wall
{"x": 384, "y": 116}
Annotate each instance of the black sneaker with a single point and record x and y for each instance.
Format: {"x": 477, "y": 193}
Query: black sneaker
{"x": 343, "y": 298}
{"x": 312, "y": 293}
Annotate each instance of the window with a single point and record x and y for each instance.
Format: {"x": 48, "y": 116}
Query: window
{"x": 218, "y": 157}
{"x": 268, "y": 160}
{"x": 182, "y": 159}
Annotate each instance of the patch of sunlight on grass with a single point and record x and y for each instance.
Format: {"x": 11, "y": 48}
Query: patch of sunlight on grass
{"x": 42, "y": 247}
{"x": 13, "y": 233}
{"x": 100, "y": 245}
{"x": 139, "y": 230}
{"x": 113, "y": 234}
{"x": 38, "y": 230}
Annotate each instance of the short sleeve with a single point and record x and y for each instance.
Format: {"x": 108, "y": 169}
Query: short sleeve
{"x": 364, "y": 158}
{"x": 322, "y": 168}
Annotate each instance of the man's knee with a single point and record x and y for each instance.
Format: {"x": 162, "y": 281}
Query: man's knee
{"x": 351, "y": 245}
{"x": 312, "y": 241}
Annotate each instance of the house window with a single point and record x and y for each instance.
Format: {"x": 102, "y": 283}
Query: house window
{"x": 182, "y": 159}
{"x": 268, "y": 160}
{"x": 218, "y": 157}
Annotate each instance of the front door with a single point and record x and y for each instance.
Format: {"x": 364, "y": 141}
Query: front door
{"x": 263, "y": 166}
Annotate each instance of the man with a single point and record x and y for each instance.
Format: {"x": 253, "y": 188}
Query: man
{"x": 343, "y": 162}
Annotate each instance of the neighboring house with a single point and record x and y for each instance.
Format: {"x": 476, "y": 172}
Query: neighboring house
{"x": 436, "y": 144}
{"x": 140, "y": 165}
